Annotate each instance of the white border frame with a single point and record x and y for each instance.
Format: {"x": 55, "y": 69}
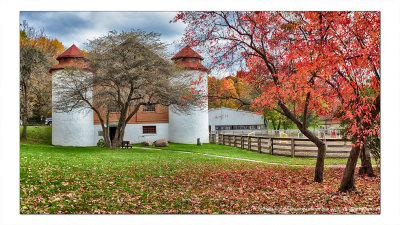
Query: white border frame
{"x": 9, "y": 115}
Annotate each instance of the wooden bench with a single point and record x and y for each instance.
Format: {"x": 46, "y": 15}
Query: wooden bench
{"x": 125, "y": 144}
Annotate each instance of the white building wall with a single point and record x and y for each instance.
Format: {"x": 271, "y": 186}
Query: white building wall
{"x": 226, "y": 116}
{"x": 187, "y": 127}
{"x": 134, "y": 133}
{"x": 74, "y": 128}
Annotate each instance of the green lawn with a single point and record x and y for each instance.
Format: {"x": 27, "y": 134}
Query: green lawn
{"x": 223, "y": 150}
{"x": 91, "y": 180}
{"x": 42, "y": 135}
{"x": 37, "y": 135}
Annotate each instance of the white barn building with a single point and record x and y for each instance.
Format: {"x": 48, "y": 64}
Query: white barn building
{"x": 231, "y": 121}
{"x": 82, "y": 128}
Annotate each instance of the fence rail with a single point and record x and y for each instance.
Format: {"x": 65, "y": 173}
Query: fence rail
{"x": 321, "y": 133}
{"x": 294, "y": 147}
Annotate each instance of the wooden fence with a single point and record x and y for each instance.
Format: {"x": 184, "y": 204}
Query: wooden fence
{"x": 294, "y": 147}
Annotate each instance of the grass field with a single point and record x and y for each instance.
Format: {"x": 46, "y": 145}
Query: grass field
{"x": 73, "y": 180}
{"x": 223, "y": 150}
{"x": 37, "y": 135}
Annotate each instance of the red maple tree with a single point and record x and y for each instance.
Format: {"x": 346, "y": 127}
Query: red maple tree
{"x": 304, "y": 62}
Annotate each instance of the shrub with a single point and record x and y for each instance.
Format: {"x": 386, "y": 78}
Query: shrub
{"x": 101, "y": 143}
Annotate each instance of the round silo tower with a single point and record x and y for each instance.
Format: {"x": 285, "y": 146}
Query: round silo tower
{"x": 188, "y": 127}
{"x": 74, "y": 128}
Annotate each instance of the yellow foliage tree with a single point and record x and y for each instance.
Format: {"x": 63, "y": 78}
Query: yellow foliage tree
{"x": 230, "y": 92}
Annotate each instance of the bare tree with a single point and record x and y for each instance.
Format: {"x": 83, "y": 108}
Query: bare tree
{"x": 129, "y": 70}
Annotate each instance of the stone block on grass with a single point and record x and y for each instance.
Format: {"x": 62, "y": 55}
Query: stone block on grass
{"x": 147, "y": 143}
{"x": 161, "y": 143}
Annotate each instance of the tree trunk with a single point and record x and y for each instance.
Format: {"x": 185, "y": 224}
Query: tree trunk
{"x": 366, "y": 165}
{"x": 107, "y": 139}
{"x": 279, "y": 125}
{"x": 119, "y": 136}
{"x": 319, "y": 166}
{"x": 116, "y": 141}
{"x": 24, "y": 113}
{"x": 23, "y": 135}
{"x": 106, "y": 136}
{"x": 347, "y": 183}
{"x": 106, "y": 129}
{"x": 274, "y": 124}
{"x": 266, "y": 125}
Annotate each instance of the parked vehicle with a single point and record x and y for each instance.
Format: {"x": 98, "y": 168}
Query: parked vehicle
{"x": 48, "y": 121}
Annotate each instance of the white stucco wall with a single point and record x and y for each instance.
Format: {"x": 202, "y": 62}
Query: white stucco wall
{"x": 134, "y": 132}
{"x": 187, "y": 127}
{"x": 226, "y": 116}
{"x": 74, "y": 128}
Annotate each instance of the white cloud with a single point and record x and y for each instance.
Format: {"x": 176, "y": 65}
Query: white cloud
{"x": 78, "y": 27}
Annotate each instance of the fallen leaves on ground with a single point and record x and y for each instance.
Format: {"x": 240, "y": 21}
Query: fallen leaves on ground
{"x": 187, "y": 188}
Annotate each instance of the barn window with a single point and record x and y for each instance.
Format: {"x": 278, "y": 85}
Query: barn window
{"x": 149, "y": 130}
{"x": 149, "y": 108}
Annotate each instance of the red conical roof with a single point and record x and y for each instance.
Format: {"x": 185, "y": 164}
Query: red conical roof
{"x": 72, "y": 57}
{"x": 187, "y": 52}
{"x": 73, "y": 52}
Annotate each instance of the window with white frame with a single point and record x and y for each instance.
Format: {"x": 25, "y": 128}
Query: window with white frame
{"x": 149, "y": 130}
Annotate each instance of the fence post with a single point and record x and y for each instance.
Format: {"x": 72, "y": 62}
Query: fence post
{"x": 326, "y": 145}
{"x": 272, "y": 146}
{"x": 292, "y": 147}
{"x": 223, "y": 139}
{"x": 241, "y": 141}
{"x": 259, "y": 145}
{"x": 230, "y": 140}
{"x": 249, "y": 143}
{"x": 234, "y": 141}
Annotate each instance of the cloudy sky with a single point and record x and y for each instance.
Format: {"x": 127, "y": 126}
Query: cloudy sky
{"x": 78, "y": 27}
